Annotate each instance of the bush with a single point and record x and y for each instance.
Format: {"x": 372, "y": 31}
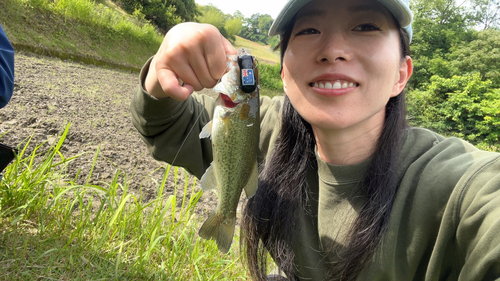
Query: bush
{"x": 463, "y": 106}
{"x": 270, "y": 77}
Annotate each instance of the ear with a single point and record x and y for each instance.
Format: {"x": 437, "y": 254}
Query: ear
{"x": 404, "y": 73}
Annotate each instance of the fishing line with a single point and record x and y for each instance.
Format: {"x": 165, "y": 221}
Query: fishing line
{"x": 197, "y": 118}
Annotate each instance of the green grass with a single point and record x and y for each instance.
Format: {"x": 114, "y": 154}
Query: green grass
{"x": 263, "y": 53}
{"x": 79, "y": 30}
{"x": 53, "y": 228}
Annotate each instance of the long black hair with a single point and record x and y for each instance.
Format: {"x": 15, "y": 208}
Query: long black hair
{"x": 268, "y": 223}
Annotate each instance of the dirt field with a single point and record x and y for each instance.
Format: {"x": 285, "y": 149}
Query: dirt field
{"x": 50, "y": 93}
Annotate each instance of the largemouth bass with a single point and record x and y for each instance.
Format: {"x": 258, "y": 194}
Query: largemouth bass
{"x": 234, "y": 131}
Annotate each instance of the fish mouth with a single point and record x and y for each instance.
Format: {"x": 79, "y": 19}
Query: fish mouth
{"x": 228, "y": 102}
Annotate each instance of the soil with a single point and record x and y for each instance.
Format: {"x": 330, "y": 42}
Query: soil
{"x": 50, "y": 93}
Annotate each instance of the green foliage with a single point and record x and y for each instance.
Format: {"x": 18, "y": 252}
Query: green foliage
{"x": 233, "y": 27}
{"x": 270, "y": 77}
{"x": 96, "y": 14}
{"x": 486, "y": 13}
{"x": 164, "y": 14}
{"x": 82, "y": 30}
{"x": 480, "y": 55}
{"x": 212, "y": 15}
{"x": 185, "y": 9}
{"x": 455, "y": 86}
{"x": 464, "y": 106}
{"x": 438, "y": 25}
{"x": 273, "y": 42}
{"x": 256, "y": 28}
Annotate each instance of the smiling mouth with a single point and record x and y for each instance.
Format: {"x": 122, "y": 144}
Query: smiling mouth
{"x": 334, "y": 84}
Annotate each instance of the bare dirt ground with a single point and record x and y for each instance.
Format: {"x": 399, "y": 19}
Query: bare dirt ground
{"x": 50, "y": 93}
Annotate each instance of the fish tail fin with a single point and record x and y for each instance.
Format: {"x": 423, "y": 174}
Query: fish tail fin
{"x": 219, "y": 228}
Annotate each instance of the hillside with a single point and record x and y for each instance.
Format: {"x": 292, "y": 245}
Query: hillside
{"x": 263, "y": 53}
{"x": 89, "y": 32}
{"x": 78, "y": 30}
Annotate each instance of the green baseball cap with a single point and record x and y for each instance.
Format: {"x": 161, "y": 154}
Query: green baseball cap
{"x": 399, "y": 8}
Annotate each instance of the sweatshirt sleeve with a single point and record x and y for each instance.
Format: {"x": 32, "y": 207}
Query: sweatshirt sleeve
{"x": 6, "y": 69}
{"x": 478, "y": 232}
{"x": 171, "y": 128}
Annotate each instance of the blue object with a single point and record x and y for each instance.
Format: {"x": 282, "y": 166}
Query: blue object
{"x": 6, "y": 69}
{"x": 248, "y": 77}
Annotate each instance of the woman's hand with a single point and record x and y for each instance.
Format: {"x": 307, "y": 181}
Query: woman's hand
{"x": 192, "y": 53}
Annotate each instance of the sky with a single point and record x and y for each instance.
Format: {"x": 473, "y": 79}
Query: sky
{"x": 247, "y": 7}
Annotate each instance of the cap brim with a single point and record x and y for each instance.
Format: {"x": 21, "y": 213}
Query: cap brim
{"x": 401, "y": 12}
{"x": 286, "y": 14}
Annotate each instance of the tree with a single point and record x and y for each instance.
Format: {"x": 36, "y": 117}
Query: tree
{"x": 233, "y": 27}
{"x": 186, "y": 9}
{"x": 487, "y": 13}
{"x": 463, "y": 106}
{"x": 256, "y": 28}
{"x": 164, "y": 14}
{"x": 438, "y": 25}
{"x": 481, "y": 55}
{"x": 214, "y": 16}
{"x": 265, "y": 22}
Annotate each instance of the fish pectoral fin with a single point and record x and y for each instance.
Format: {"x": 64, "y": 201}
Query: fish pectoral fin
{"x": 207, "y": 130}
{"x": 208, "y": 180}
{"x": 253, "y": 182}
{"x": 219, "y": 228}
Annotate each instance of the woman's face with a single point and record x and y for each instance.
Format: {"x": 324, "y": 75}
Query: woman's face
{"x": 343, "y": 63}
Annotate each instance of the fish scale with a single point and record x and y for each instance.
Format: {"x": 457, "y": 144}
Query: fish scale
{"x": 235, "y": 135}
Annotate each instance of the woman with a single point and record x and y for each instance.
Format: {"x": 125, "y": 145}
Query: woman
{"x": 348, "y": 191}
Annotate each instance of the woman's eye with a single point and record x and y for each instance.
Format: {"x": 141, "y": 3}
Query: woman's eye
{"x": 366, "y": 27}
{"x": 308, "y": 31}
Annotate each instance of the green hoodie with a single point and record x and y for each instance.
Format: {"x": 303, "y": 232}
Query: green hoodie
{"x": 445, "y": 221}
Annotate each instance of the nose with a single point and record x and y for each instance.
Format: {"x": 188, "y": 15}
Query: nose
{"x": 335, "y": 48}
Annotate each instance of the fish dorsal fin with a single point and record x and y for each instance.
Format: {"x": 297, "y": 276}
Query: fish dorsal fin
{"x": 206, "y": 131}
{"x": 208, "y": 180}
{"x": 253, "y": 182}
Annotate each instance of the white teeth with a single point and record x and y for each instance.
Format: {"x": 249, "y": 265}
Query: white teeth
{"x": 335, "y": 85}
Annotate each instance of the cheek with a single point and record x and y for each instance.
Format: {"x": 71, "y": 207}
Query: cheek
{"x": 287, "y": 73}
{"x": 385, "y": 68}
{"x": 289, "y": 78}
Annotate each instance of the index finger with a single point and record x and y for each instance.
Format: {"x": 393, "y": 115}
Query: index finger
{"x": 217, "y": 59}
{"x": 170, "y": 84}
